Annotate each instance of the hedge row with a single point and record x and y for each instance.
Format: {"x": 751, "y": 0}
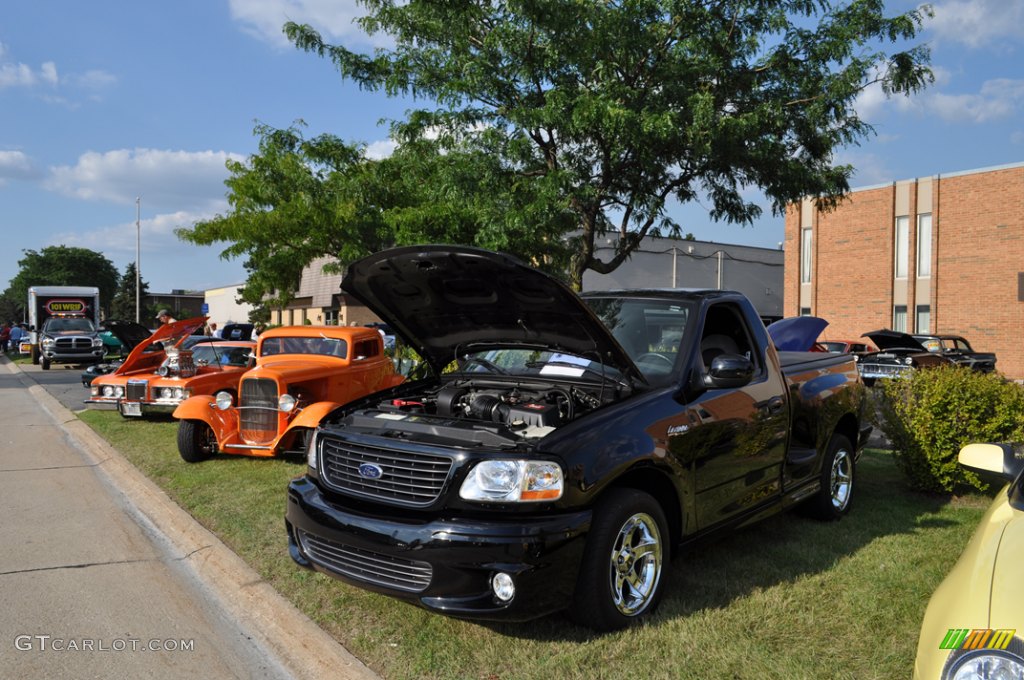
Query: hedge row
{"x": 929, "y": 415}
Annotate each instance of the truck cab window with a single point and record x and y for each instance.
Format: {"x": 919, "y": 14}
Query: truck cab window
{"x": 725, "y": 333}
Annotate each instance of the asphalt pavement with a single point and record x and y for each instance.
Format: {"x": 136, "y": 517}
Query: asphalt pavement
{"x": 101, "y": 575}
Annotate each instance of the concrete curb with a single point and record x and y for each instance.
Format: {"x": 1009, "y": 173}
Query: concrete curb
{"x": 302, "y": 647}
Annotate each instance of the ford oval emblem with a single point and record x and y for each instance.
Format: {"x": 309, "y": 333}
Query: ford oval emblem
{"x": 370, "y": 471}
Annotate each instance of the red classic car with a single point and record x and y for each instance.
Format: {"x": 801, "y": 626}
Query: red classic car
{"x": 169, "y": 367}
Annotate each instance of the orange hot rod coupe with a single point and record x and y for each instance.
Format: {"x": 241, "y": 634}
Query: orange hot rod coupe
{"x": 301, "y": 374}
{"x": 169, "y": 367}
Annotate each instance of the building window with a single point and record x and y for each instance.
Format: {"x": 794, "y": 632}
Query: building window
{"x": 923, "y": 320}
{"x": 805, "y": 311}
{"x": 899, "y": 318}
{"x": 902, "y": 246}
{"x": 805, "y": 255}
{"x": 924, "y": 246}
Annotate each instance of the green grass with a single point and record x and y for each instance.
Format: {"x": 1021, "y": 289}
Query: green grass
{"x": 789, "y": 598}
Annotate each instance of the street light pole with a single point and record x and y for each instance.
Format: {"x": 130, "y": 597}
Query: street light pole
{"x": 138, "y": 243}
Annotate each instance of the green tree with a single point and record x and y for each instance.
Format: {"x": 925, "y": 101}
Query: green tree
{"x": 299, "y": 199}
{"x": 123, "y": 304}
{"x": 65, "y": 266}
{"x": 605, "y": 112}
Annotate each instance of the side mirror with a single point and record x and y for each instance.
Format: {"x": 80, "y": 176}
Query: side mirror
{"x": 1005, "y": 461}
{"x": 730, "y": 371}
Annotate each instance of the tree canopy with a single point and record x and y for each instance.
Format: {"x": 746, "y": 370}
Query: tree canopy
{"x": 65, "y": 266}
{"x": 611, "y": 109}
{"x": 300, "y": 199}
{"x": 122, "y": 305}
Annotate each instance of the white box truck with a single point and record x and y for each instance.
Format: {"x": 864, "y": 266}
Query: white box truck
{"x": 63, "y": 324}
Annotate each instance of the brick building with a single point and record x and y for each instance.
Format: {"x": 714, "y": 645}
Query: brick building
{"x": 940, "y": 254}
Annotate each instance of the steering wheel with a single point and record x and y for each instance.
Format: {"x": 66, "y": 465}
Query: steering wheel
{"x": 664, "y": 358}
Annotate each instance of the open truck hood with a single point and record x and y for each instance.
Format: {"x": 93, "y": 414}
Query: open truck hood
{"x": 448, "y": 300}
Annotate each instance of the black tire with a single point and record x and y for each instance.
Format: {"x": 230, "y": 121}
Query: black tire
{"x": 196, "y": 442}
{"x": 838, "y": 473}
{"x": 619, "y": 585}
{"x": 45, "y": 363}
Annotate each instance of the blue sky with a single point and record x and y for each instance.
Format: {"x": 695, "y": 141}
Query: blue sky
{"x": 101, "y": 103}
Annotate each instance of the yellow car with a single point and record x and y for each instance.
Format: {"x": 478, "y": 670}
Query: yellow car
{"x": 974, "y": 626}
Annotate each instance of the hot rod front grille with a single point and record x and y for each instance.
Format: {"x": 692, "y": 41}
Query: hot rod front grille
{"x": 258, "y": 413}
{"x": 402, "y": 477}
{"x": 367, "y": 565}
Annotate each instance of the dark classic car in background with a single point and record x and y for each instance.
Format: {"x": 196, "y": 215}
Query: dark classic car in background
{"x": 959, "y": 351}
{"x": 576, "y": 446}
{"x": 897, "y": 354}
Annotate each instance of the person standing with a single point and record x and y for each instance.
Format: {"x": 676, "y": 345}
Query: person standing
{"x": 17, "y": 333}
{"x": 164, "y": 316}
{"x": 5, "y": 335}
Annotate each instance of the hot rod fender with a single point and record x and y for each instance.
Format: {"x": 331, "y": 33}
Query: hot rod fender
{"x": 310, "y": 416}
{"x": 204, "y": 407}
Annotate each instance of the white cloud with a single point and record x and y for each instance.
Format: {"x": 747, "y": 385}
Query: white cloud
{"x": 869, "y": 168}
{"x": 93, "y": 79}
{"x": 165, "y": 180}
{"x": 48, "y": 72}
{"x": 979, "y": 23}
{"x": 155, "y": 235}
{"x": 380, "y": 149}
{"x": 15, "y": 75}
{"x": 15, "y": 165}
{"x": 265, "y": 18}
{"x": 997, "y": 99}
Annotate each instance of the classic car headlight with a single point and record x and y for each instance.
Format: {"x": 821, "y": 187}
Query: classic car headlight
{"x": 286, "y": 403}
{"x": 94, "y": 390}
{"x": 504, "y": 481}
{"x": 223, "y": 400}
{"x": 118, "y": 391}
{"x": 108, "y": 391}
{"x": 166, "y": 393}
{"x": 908, "y": 361}
{"x": 985, "y": 664}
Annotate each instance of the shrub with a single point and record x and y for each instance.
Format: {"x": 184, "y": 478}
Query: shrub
{"x": 929, "y": 415}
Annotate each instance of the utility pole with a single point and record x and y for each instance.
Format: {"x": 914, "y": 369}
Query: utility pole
{"x": 138, "y": 264}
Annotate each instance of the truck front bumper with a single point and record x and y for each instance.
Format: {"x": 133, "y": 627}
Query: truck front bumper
{"x": 445, "y": 564}
{"x": 82, "y": 357}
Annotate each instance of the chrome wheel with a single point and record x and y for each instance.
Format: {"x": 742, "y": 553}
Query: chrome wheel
{"x": 841, "y": 479}
{"x": 636, "y": 563}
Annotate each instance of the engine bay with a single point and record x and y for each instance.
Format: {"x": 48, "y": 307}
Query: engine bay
{"x": 497, "y": 412}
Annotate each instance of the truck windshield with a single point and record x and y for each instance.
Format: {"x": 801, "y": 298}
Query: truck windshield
{"x": 650, "y": 330}
{"x": 64, "y": 325}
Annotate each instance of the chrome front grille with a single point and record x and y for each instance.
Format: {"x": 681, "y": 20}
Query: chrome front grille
{"x": 367, "y": 565}
{"x": 258, "y": 410}
{"x": 73, "y": 344}
{"x": 396, "y": 476}
{"x": 136, "y": 390}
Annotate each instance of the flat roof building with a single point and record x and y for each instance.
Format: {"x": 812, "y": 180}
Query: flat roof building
{"x": 942, "y": 254}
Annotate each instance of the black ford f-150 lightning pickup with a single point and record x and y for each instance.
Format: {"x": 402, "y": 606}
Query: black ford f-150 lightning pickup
{"x": 563, "y": 448}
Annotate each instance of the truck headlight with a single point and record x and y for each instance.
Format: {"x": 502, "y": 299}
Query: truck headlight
{"x": 286, "y": 402}
{"x": 48, "y": 342}
{"x": 96, "y": 342}
{"x": 311, "y": 455}
{"x": 515, "y": 481}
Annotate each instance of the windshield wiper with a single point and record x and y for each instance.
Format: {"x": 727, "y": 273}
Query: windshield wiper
{"x": 482, "y": 362}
